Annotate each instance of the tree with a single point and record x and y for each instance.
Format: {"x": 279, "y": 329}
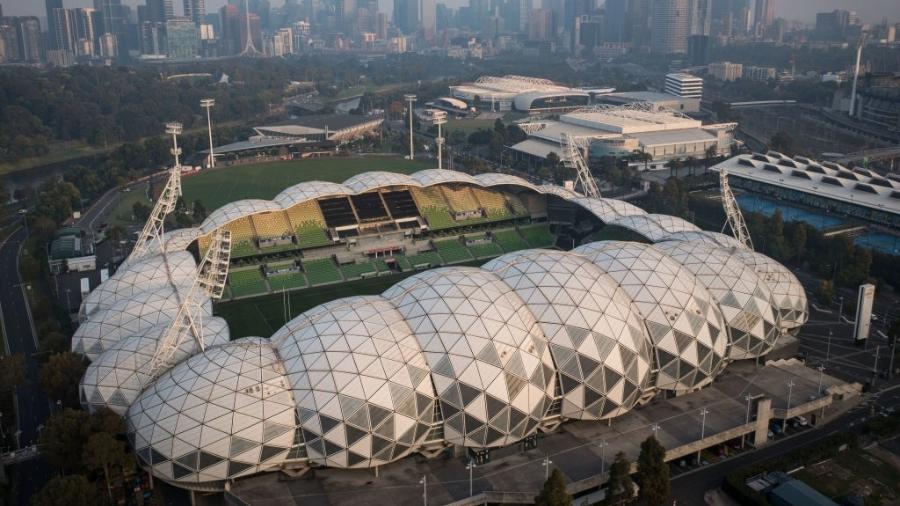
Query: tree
{"x": 554, "y": 491}
{"x": 59, "y": 377}
{"x": 63, "y": 438}
{"x": 104, "y": 452}
{"x": 199, "y": 211}
{"x": 12, "y": 372}
{"x": 654, "y": 472}
{"x": 115, "y": 233}
{"x": 140, "y": 211}
{"x": 619, "y": 487}
{"x": 782, "y": 141}
{"x": 73, "y": 490}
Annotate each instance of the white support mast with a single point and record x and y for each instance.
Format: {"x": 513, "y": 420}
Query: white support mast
{"x": 249, "y": 46}
{"x": 188, "y": 322}
{"x": 733, "y": 212}
{"x": 573, "y": 159}
{"x": 168, "y": 198}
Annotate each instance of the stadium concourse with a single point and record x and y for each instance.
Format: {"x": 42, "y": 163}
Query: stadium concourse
{"x": 475, "y": 357}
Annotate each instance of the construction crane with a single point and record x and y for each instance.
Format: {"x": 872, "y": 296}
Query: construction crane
{"x": 735, "y": 219}
{"x": 573, "y": 159}
{"x": 168, "y": 198}
{"x": 210, "y": 279}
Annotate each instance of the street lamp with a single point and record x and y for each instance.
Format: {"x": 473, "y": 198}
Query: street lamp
{"x": 841, "y": 309}
{"x": 410, "y": 99}
{"x": 821, "y": 369}
{"x": 18, "y": 433}
{"x": 602, "y": 444}
{"x": 424, "y": 482}
{"x": 546, "y": 463}
{"x": 174, "y": 129}
{"x": 828, "y": 347}
{"x": 703, "y": 413}
{"x": 208, "y": 103}
{"x": 470, "y": 466}
{"x": 655, "y": 428}
{"x": 2, "y": 435}
{"x": 749, "y": 399}
{"x": 790, "y": 385}
{"x": 440, "y": 117}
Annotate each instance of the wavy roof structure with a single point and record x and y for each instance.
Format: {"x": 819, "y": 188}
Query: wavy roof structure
{"x": 469, "y": 356}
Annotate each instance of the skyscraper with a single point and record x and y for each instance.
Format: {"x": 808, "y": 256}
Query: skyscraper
{"x": 763, "y": 16}
{"x": 160, "y": 11}
{"x": 427, "y": 18}
{"x": 670, "y": 26}
{"x": 113, "y": 18}
{"x": 28, "y": 29}
{"x": 52, "y": 5}
{"x": 195, "y": 10}
{"x": 62, "y": 33}
{"x": 406, "y": 15}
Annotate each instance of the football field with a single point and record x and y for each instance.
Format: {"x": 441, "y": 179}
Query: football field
{"x": 217, "y": 187}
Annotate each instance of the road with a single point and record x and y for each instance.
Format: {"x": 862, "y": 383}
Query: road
{"x": 688, "y": 489}
{"x": 33, "y": 406}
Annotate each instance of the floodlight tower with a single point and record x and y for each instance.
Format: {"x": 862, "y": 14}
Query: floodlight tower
{"x": 410, "y": 99}
{"x": 733, "y": 215}
{"x": 208, "y": 103}
{"x": 209, "y": 279}
{"x": 440, "y": 118}
{"x": 154, "y": 227}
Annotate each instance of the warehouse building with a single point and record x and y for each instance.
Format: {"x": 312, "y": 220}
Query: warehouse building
{"x": 621, "y": 131}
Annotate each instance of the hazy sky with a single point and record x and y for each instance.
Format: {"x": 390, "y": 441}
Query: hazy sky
{"x": 802, "y": 10}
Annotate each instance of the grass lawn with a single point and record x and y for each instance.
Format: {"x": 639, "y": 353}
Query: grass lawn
{"x": 262, "y": 316}
{"x": 121, "y": 213}
{"x": 218, "y": 187}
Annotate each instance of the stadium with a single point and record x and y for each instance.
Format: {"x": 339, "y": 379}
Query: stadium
{"x": 513, "y": 308}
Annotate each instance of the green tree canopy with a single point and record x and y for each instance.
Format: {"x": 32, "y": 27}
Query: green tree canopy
{"x": 554, "y": 492}
{"x": 59, "y": 377}
{"x": 74, "y": 490}
{"x": 619, "y": 487}
{"x": 654, "y": 473}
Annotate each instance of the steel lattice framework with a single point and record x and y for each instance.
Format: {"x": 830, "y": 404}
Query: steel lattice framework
{"x": 573, "y": 159}
{"x": 733, "y": 212}
{"x": 211, "y": 275}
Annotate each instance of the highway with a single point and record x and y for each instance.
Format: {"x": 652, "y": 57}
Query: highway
{"x": 33, "y": 405}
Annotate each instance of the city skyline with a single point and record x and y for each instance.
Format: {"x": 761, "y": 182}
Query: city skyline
{"x": 872, "y": 11}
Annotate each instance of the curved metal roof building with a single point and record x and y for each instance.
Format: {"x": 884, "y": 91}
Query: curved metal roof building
{"x": 477, "y": 357}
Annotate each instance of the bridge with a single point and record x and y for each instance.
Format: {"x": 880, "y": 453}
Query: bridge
{"x": 870, "y": 154}
{"x": 21, "y": 455}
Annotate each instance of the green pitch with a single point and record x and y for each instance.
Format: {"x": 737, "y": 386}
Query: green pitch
{"x": 217, "y": 187}
{"x": 262, "y": 316}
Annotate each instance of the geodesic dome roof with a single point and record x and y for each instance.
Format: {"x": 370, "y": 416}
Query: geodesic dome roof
{"x": 128, "y": 317}
{"x": 362, "y": 386}
{"x": 682, "y": 318}
{"x": 377, "y": 179}
{"x": 489, "y": 360}
{"x": 223, "y": 413}
{"x": 122, "y": 372}
{"x": 745, "y": 299}
{"x": 489, "y": 179}
{"x": 429, "y": 177}
{"x": 787, "y": 291}
{"x": 180, "y": 239}
{"x": 308, "y": 190}
{"x": 596, "y": 336}
{"x": 715, "y": 238}
{"x": 234, "y": 210}
{"x": 147, "y": 274}
{"x": 655, "y": 227}
{"x": 608, "y": 210}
